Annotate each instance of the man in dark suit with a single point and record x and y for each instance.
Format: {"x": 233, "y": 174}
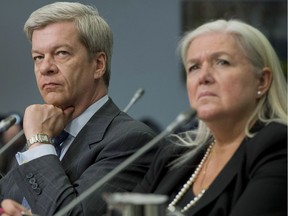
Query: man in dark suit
{"x": 71, "y": 49}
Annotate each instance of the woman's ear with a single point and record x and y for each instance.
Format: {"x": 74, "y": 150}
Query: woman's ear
{"x": 100, "y": 64}
{"x": 264, "y": 81}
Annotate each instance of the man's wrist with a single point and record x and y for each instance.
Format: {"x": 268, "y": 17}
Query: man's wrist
{"x": 38, "y": 138}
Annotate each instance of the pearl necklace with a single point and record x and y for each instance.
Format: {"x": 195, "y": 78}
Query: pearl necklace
{"x": 187, "y": 185}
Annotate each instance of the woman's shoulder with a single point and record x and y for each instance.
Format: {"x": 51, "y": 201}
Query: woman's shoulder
{"x": 281, "y": 128}
{"x": 268, "y": 144}
{"x": 271, "y": 134}
{"x": 168, "y": 151}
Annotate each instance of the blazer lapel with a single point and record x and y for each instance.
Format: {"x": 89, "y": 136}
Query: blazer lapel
{"x": 222, "y": 181}
{"x": 179, "y": 176}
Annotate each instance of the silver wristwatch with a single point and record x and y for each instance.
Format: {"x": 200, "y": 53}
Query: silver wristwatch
{"x": 38, "y": 138}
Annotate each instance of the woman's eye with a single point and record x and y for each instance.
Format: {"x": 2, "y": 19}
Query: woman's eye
{"x": 223, "y": 62}
{"x": 192, "y": 68}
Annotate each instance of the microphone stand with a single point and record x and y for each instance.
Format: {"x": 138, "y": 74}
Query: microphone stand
{"x": 181, "y": 118}
{"x": 139, "y": 93}
{"x": 11, "y": 142}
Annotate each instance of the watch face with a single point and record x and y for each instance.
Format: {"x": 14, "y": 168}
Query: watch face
{"x": 43, "y": 137}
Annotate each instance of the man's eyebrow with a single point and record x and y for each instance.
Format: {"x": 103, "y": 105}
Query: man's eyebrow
{"x": 53, "y": 48}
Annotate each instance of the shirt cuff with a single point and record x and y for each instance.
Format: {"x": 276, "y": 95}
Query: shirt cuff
{"x": 39, "y": 151}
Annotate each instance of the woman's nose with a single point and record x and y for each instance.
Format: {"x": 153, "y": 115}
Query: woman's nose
{"x": 206, "y": 74}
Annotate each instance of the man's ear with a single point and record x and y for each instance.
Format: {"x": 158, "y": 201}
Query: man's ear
{"x": 100, "y": 64}
{"x": 264, "y": 81}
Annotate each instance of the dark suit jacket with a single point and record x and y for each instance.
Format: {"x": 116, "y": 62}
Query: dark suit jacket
{"x": 108, "y": 138}
{"x": 253, "y": 183}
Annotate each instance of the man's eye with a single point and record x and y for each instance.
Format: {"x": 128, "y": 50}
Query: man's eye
{"x": 37, "y": 58}
{"x": 62, "y": 53}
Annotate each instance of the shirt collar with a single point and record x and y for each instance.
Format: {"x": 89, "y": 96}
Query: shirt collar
{"x": 75, "y": 126}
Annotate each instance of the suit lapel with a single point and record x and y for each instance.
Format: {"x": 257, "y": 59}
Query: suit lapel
{"x": 93, "y": 132}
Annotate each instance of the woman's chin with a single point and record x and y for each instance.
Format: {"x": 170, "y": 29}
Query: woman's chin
{"x": 206, "y": 114}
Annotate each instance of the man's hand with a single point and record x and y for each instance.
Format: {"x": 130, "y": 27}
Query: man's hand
{"x": 45, "y": 119}
{"x": 12, "y": 208}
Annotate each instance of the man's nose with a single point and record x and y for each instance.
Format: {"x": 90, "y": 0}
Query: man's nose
{"x": 47, "y": 66}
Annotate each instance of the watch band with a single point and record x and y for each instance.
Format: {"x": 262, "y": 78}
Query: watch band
{"x": 38, "y": 138}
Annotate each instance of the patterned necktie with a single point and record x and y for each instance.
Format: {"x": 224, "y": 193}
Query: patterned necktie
{"x": 58, "y": 140}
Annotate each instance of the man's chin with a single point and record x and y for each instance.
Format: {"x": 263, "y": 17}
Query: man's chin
{"x": 56, "y": 103}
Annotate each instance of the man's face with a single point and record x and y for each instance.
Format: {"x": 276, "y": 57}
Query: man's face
{"x": 64, "y": 73}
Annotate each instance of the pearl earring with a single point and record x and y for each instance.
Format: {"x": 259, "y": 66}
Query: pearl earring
{"x": 259, "y": 92}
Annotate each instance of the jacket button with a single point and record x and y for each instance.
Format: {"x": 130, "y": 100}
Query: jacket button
{"x": 32, "y": 180}
{"x": 29, "y": 175}
{"x": 38, "y": 191}
{"x": 34, "y": 186}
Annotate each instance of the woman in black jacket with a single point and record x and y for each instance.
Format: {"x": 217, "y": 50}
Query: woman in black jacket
{"x": 235, "y": 161}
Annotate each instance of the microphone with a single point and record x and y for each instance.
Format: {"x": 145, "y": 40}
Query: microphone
{"x": 6, "y": 123}
{"x": 11, "y": 142}
{"x": 11, "y": 119}
{"x": 138, "y": 94}
{"x": 180, "y": 119}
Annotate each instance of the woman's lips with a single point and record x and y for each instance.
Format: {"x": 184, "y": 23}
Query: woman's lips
{"x": 205, "y": 94}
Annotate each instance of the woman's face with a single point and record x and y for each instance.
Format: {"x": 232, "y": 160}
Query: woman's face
{"x": 221, "y": 81}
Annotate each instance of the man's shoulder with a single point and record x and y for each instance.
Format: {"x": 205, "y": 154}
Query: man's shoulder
{"x": 127, "y": 124}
